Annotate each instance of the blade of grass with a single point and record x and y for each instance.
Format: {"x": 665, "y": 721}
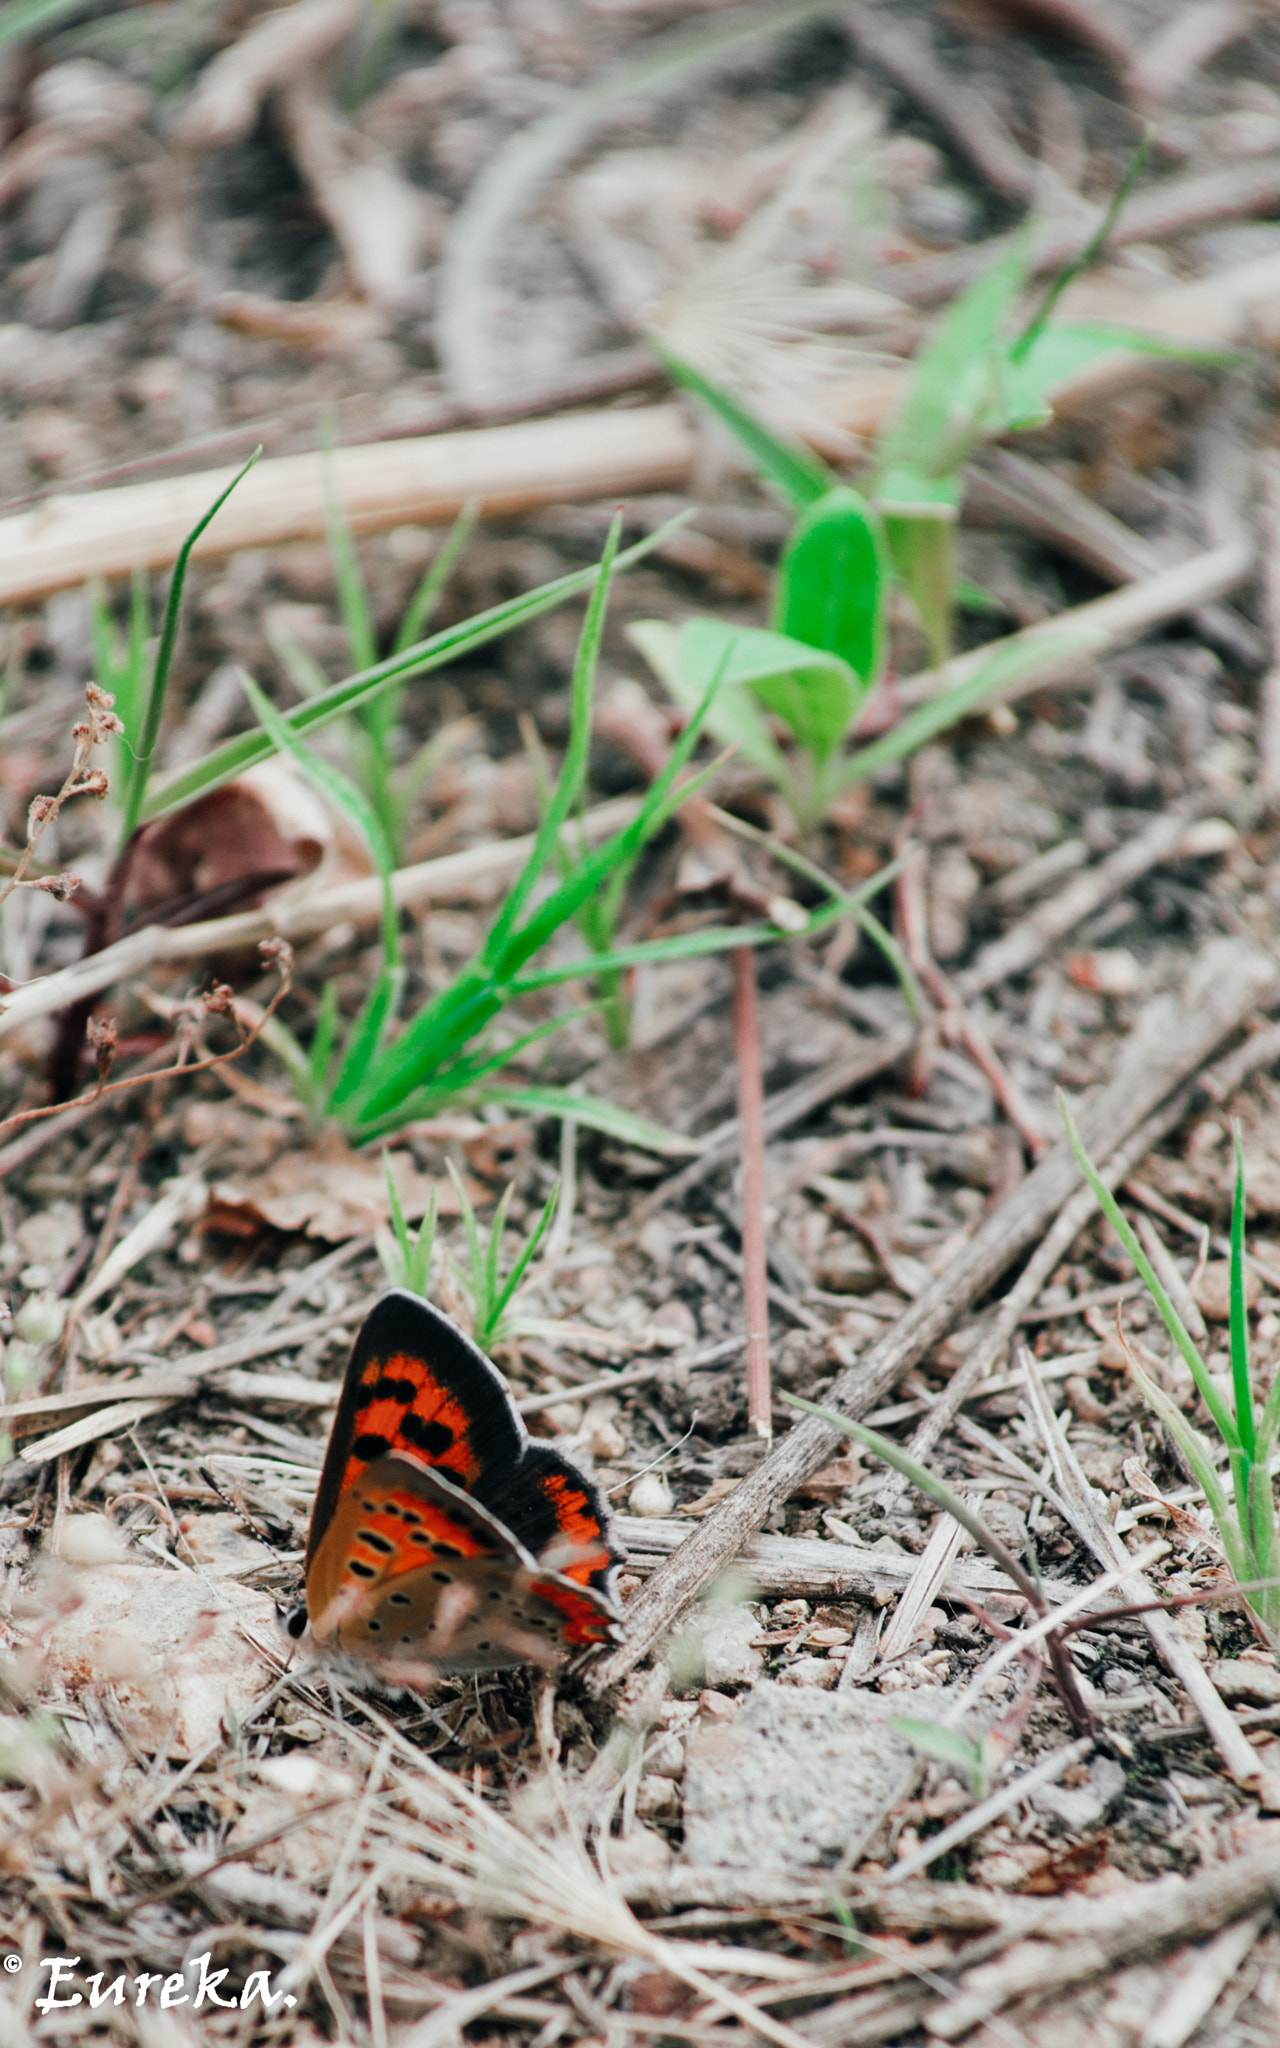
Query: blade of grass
{"x": 145, "y": 745}
{"x": 421, "y": 606}
{"x": 340, "y": 700}
{"x": 1239, "y": 1323}
{"x": 952, "y": 705}
{"x": 1209, "y": 1394}
{"x": 569, "y": 782}
{"x": 798, "y": 473}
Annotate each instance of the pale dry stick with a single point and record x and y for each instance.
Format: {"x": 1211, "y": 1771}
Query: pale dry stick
{"x": 1172, "y": 207}
{"x": 1230, "y": 979}
{"x": 932, "y": 1569}
{"x": 1209, "y": 1971}
{"x": 1075, "y": 640}
{"x": 966, "y": 115}
{"x": 1186, "y": 45}
{"x": 1033, "y": 936}
{"x": 755, "y": 1276}
{"x": 1093, "y": 1528}
{"x": 1046, "y": 1772}
{"x": 1092, "y": 1936}
{"x": 453, "y": 875}
{"x": 428, "y": 480}
{"x": 1035, "y": 499}
{"x": 1257, "y": 1051}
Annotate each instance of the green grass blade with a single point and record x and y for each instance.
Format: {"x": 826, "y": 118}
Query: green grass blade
{"x": 497, "y": 1231}
{"x": 1088, "y": 256}
{"x": 343, "y": 699}
{"x": 1007, "y": 666}
{"x": 574, "y": 768}
{"x": 1217, "y": 1407}
{"x": 149, "y": 730}
{"x": 24, "y": 18}
{"x": 353, "y": 598}
{"x": 421, "y": 606}
{"x": 1239, "y": 1324}
{"x": 527, "y": 1250}
{"x": 798, "y": 474}
{"x": 367, "y": 1036}
{"x": 596, "y": 1115}
{"x": 347, "y": 795}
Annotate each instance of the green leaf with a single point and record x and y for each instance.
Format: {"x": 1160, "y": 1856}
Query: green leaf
{"x": 1173, "y": 1322}
{"x": 1008, "y": 665}
{"x": 347, "y": 795}
{"x": 144, "y": 745}
{"x": 814, "y": 693}
{"x": 955, "y": 394}
{"x": 923, "y": 546}
{"x": 1059, "y": 353}
{"x": 734, "y": 717}
{"x": 1239, "y": 1324}
{"x": 797, "y": 472}
{"x": 948, "y": 1745}
{"x": 597, "y": 1115}
{"x": 833, "y": 583}
{"x": 343, "y": 699}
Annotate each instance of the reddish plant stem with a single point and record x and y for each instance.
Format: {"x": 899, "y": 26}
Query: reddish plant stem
{"x": 755, "y": 1289}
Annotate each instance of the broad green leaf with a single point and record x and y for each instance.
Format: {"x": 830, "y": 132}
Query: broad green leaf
{"x": 833, "y": 583}
{"x": 813, "y": 692}
{"x": 1061, "y": 352}
{"x": 797, "y": 472}
{"x": 734, "y": 717}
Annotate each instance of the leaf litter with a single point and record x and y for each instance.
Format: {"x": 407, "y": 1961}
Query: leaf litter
{"x": 218, "y": 228}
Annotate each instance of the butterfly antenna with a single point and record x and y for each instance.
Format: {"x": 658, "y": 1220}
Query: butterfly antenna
{"x": 241, "y": 1513}
{"x": 653, "y": 1463}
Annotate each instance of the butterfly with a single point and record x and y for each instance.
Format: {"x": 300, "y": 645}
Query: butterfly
{"x": 443, "y": 1539}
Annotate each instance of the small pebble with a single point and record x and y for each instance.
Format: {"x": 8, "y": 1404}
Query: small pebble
{"x": 651, "y": 1497}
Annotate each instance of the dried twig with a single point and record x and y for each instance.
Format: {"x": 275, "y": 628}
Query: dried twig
{"x": 1093, "y": 1528}
{"x": 1086, "y": 1937}
{"x": 219, "y": 1001}
{"x": 479, "y": 870}
{"x": 1256, "y": 1052}
{"x": 1231, "y": 979}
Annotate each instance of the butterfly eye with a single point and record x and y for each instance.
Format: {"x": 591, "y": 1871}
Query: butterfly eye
{"x": 295, "y": 1621}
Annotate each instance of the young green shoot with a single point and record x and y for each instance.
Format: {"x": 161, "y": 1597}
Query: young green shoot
{"x": 492, "y": 1291}
{"x": 141, "y": 738}
{"x": 1244, "y": 1509}
{"x": 406, "y": 1257}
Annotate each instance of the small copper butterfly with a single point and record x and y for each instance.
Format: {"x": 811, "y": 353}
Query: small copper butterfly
{"x": 443, "y": 1540}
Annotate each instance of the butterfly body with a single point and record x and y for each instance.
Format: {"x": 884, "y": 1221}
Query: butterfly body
{"x": 444, "y": 1540}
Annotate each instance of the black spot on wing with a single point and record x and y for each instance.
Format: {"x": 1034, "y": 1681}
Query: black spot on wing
{"x": 433, "y": 1439}
{"x": 370, "y": 1447}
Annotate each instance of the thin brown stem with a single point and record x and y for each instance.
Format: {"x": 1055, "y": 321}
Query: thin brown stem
{"x": 755, "y": 1280}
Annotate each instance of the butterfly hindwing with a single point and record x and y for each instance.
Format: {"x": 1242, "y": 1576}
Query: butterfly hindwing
{"x": 418, "y": 1580}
